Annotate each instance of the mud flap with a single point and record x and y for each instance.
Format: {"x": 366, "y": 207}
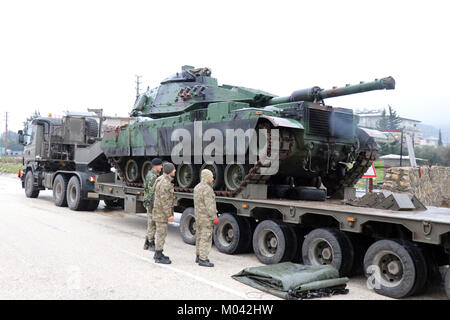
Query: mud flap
{"x": 292, "y": 281}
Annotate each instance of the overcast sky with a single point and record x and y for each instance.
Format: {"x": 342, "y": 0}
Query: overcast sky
{"x": 72, "y": 55}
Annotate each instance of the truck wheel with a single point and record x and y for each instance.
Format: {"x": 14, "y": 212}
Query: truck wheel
{"x": 232, "y": 234}
{"x": 92, "y": 205}
{"x": 395, "y": 268}
{"x": 272, "y": 242}
{"x": 30, "y": 190}
{"x": 328, "y": 246}
{"x": 447, "y": 283}
{"x": 60, "y": 190}
{"x": 187, "y": 226}
{"x": 74, "y": 200}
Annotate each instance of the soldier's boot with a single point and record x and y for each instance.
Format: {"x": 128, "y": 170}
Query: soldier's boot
{"x": 146, "y": 244}
{"x": 205, "y": 263}
{"x": 151, "y": 246}
{"x": 197, "y": 259}
{"x": 160, "y": 258}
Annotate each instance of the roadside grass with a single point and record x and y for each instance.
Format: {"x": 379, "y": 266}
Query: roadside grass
{"x": 10, "y": 164}
{"x": 361, "y": 184}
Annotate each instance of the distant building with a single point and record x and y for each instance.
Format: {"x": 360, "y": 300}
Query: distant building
{"x": 370, "y": 119}
{"x": 393, "y": 160}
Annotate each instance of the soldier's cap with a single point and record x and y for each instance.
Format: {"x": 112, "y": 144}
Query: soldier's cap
{"x": 168, "y": 167}
{"x": 156, "y": 162}
{"x": 206, "y": 174}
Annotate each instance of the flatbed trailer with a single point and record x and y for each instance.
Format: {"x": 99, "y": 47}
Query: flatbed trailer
{"x": 399, "y": 251}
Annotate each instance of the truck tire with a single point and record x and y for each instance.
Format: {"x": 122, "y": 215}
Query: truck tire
{"x": 187, "y": 226}
{"x": 272, "y": 242}
{"x": 92, "y": 205}
{"x": 395, "y": 268}
{"x": 299, "y": 236}
{"x": 447, "y": 283}
{"x": 30, "y": 190}
{"x": 74, "y": 200}
{"x": 60, "y": 190}
{"x": 329, "y": 246}
{"x": 232, "y": 234}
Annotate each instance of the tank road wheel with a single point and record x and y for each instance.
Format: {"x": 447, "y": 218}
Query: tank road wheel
{"x": 234, "y": 175}
{"x": 395, "y": 268}
{"x": 187, "y": 226}
{"x": 328, "y": 246}
{"x": 217, "y": 171}
{"x": 272, "y": 241}
{"x": 146, "y": 167}
{"x": 30, "y": 190}
{"x": 232, "y": 234}
{"x": 60, "y": 190}
{"x": 132, "y": 170}
{"x": 74, "y": 198}
{"x": 187, "y": 175}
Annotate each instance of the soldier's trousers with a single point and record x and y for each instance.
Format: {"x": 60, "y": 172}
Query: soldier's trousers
{"x": 161, "y": 233}
{"x": 151, "y": 226}
{"x": 203, "y": 242}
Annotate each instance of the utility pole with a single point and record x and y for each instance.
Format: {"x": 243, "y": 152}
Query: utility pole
{"x": 137, "y": 86}
{"x": 6, "y": 134}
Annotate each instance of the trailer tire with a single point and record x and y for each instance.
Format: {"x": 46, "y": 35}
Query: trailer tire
{"x": 299, "y": 234}
{"x": 270, "y": 242}
{"x": 187, "y": 226}
{"x": 329, "y": 246}
{"x": 74, "y": 200}
{"x": 30, "y": 190}
{"x": 386, "y": 258}
{"x": 447, "y": 283}
{"x": 60, "y": 190}
{"x": 232, "y": 234}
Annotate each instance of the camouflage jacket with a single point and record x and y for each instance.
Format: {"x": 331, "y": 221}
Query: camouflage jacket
{"x": 204, "y": 202}
{"x": 149, "y": 184}
{"x": 163, "y": 200}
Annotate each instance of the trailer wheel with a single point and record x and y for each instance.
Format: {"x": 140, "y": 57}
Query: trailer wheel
{"x": 329, "y": 246}
{"x": 395, "y": 268}
{"x": 271, "y": 242}
{"x": 74, "y": 200}
{"x": 232, "y": 234}
{"x": 60, "y": 190}
{"x": 187, "y": 226}
{"x": 447, "y": 283}
{"x": 30, "y": 190}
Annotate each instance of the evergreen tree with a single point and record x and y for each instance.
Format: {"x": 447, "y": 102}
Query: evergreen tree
{"x": 440, "y": 138}
{"x": 393, "y": 121}
{"x": 382, "y": 124}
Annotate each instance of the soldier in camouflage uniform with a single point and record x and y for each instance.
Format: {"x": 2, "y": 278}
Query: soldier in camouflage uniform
{"x": 205, "y": 216}
{"x": 148, "y": 202}
{"x": 163, "y": 210}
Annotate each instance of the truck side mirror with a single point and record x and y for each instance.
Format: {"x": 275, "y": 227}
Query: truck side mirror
{"x": 21, "y": 139}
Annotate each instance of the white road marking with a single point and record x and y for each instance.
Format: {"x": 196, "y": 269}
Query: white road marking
{"x": 190, "y": 275}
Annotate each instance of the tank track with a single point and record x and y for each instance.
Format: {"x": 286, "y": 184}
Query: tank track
{"x": 253, "y": 176}
{"x": 366, "y": 156}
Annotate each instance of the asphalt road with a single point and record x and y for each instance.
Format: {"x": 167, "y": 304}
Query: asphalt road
{"x": 47, "y": 252}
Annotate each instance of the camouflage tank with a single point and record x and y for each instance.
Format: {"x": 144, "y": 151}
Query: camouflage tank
{"x": 317, "y": 143}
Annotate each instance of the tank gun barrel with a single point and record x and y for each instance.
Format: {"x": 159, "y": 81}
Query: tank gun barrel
{"x": 315, "y": 94}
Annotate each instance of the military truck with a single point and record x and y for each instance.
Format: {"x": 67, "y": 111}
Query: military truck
{"x": 63, "y": 154}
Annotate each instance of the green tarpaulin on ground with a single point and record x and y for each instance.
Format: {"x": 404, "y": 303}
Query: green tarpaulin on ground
{"x": 288, "y": 280}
